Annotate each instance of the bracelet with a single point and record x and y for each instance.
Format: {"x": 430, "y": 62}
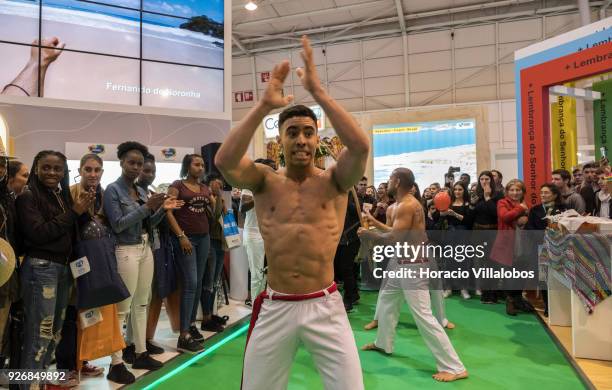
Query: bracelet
{"x": 16, "y": 86}
{"x": 179, "y": 236}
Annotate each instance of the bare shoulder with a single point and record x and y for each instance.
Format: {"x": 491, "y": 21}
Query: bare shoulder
{"x": 267, "y": 174}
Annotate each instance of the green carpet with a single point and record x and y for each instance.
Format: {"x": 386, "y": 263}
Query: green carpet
{"x": 499, "y": 352}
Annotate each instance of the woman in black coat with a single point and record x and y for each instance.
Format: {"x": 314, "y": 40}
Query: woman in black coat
{"x": 551, "y": 205}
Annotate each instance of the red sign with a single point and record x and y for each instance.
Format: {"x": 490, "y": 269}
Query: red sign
{"x": 265, "y": 77}
{"x": 238, "y": 97}
{"x": 248, "y": 96}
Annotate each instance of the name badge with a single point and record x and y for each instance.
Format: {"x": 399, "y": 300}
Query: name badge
{"x": 90, "y": 317}
{"x": 80, "y": 267}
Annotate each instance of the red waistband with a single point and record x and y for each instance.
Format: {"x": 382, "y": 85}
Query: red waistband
{"x": 417, "y": 261}
{"x": 301, "y": 297}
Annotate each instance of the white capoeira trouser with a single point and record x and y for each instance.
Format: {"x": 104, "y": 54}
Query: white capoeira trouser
{"x": 280, "y": 322}
{"x": 416, "y": 293}
{"x": 438, "y": 306}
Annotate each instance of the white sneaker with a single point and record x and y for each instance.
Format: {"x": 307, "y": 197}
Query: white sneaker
{"x": 447, "y": 293}
{"x": 479, "y": 293}
{"x": 465, "y": 294}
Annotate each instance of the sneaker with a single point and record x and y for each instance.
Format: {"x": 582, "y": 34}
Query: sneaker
{"x": 70, "y": 382}
{"x": 248, "y": 303}
{"x": 195, "y": 334}
{"x": 189, "y": 344}
{"x": 129, "y": 354}
{"x": 153, "y": 349}
{"x": 145, "y": 362}
{"x": 120, "y": 374}
{"x": 479, "y": 293}
{"x": 348, "y": 307}
{"x": 220, "y": 320}
{"x": 447, "y": 293}
{"x": 465, "y": 294}
{"x": 356, "y": 300}
{"x": 211, "y": 326}
{"x": 89, "y": 370}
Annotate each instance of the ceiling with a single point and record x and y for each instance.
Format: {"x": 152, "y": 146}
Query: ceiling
{"x": 278, "y": 24}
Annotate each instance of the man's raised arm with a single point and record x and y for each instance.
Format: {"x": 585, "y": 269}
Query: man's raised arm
{"x": 352, "y": 160}
{"x": 231, "y": 159}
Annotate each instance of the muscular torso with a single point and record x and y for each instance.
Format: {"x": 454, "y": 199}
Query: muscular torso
{"x": 409, "y": 224}
{"x": 301, "y": 224}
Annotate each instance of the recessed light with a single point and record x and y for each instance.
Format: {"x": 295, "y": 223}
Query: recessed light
{"x": 251, "y": 6}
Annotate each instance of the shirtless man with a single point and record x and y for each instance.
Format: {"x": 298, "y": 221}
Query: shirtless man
{"x": 437, "y": 297}
{"x": 409, "y": 226}
{"x": 301, "y": 212}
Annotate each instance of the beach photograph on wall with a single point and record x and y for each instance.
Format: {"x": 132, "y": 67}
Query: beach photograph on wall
{"x": 121, "y": 51}
{"x": 429, "y": 149}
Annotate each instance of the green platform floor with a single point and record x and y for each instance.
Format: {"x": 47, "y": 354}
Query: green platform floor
{"x": 499, "y": 352}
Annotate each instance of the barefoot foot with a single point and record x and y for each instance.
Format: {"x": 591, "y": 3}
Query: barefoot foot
{"x": 372, "y": 347}
{"x": 449, "y": 325}
{"x": 448, "y": 377}
{"x": 371, "y": 325}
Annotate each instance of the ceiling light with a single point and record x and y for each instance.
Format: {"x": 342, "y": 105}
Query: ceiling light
{"x": 251, "y": 6}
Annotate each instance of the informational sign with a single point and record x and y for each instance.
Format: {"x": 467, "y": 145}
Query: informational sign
{"x": 564, "y": 133}
{"x": 270, "y": 123}
{"x": 429, "y": 149}
{"x": 265, "y": 77}
{"x": 602, "y": 109}
{"x": 243, "y": 96}
{"x": 573, "y": 41}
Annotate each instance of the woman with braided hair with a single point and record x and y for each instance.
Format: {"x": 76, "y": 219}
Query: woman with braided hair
{"x": 48, "y": 218}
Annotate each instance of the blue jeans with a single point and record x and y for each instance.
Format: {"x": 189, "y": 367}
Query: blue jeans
{"x": 45, "y": 290}
{"x": 212, "y": 275}
{"x": 192, "y": 269}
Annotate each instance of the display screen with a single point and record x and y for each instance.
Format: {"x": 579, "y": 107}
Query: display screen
{"x": 426, "y": 148}
{"x": 118, "y": 51}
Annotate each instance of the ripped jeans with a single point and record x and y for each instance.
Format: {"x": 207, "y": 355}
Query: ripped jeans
{"x": 45, "y": 288}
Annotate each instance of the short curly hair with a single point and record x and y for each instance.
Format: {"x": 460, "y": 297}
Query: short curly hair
{"x": 125, "y": 147}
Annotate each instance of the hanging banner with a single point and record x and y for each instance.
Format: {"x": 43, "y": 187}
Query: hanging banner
{"x": 564, "y": 133}
{"x": 602, "y": 109}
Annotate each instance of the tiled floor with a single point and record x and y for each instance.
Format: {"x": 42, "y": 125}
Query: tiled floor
{"x": 166, "y": 339}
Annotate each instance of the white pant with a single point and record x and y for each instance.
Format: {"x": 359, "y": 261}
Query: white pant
{"x": 256, "y": 253}
{"x": 135, "y": 265}
{"x": 321, "y": 324}
{"x": 437, "y": 306}
{"x": 416, "y": 293}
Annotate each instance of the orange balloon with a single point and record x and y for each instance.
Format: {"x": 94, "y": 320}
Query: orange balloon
{"x": 442, "y": 201}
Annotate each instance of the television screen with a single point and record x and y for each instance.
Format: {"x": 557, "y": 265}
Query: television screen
{"x": 116, "y": 80}
{"x": 159, "y": 53}
{"x": 168, "y": 85}
{"x": 92, "y": 27}
{"x": 426, "y": 148}
{"x": 183, "y": 41}
{"x": 19, "y": 21}
{"x": 13, "y": 68}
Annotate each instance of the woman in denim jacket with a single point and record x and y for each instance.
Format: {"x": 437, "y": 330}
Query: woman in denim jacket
{"x": 132, "y": 216}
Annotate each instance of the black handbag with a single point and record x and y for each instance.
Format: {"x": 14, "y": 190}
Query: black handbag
{"x": 102, "y": 285}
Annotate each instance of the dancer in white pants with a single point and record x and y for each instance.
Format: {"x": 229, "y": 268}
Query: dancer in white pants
{"x": 301, "y": 210}
{"x": 253, "y": 243}
{"x": 409, "y": 226}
